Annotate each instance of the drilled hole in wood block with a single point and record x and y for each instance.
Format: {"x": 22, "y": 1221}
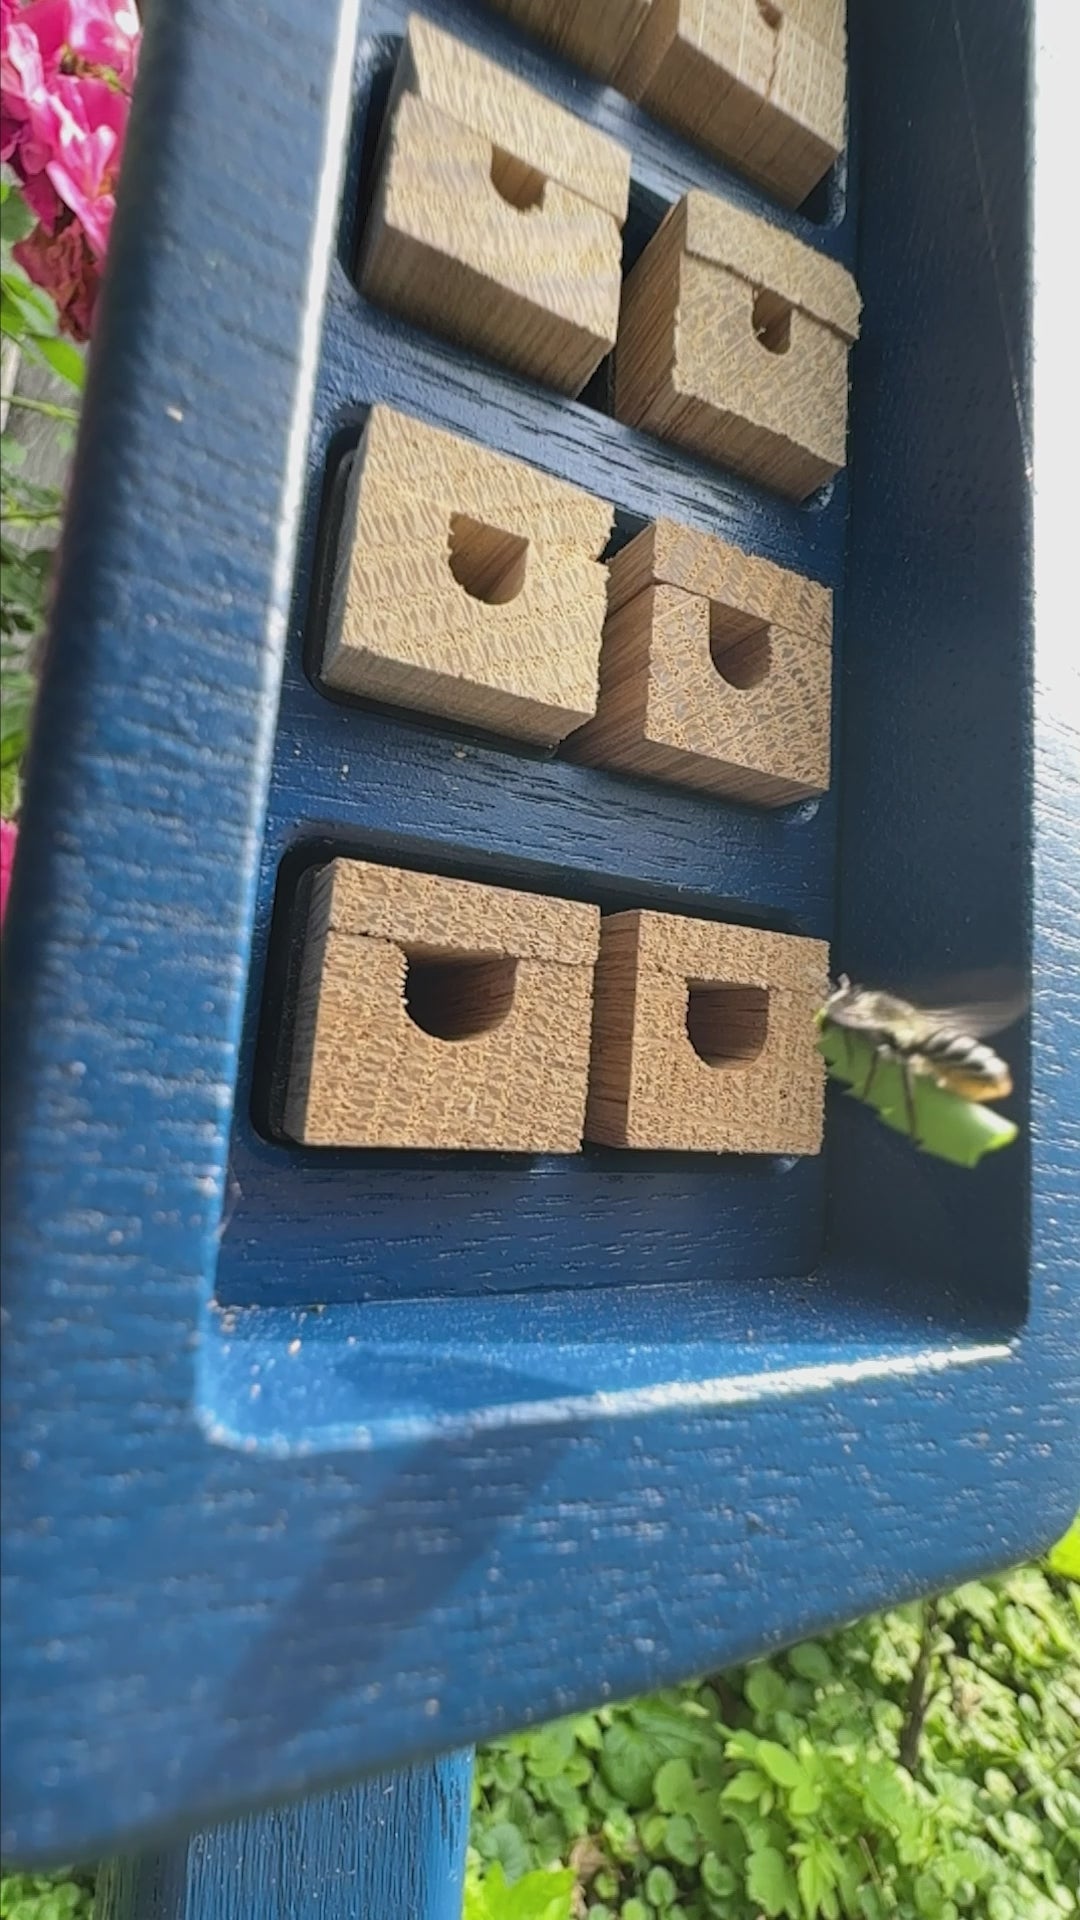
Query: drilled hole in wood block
{"x": 457, "y": 996}
{"x": 715, "y": 671}
{"x": 467, "y": 585}
{"x": 704, "y": 1038}
{"x": 727, "y": 1026}
{"x": 771, "y": 321}
{"x": 740, "y": 647}
{"x": 771, "y": 15}
{"x": 733, "y": 342}
{"x": 520, "y": 185}
{"x": 439, "y": 1013}
{"x": 497, "y": 216}
{"x": 488, "y": 562}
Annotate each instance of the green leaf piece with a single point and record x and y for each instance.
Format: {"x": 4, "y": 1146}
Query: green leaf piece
{"x": 960, "y": 1131}
{"x": 1065, "y": 1557}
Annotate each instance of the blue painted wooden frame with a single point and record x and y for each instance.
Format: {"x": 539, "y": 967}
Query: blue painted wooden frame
{"x": 392, "y": 1848}
{"x": 315, "y": 1464}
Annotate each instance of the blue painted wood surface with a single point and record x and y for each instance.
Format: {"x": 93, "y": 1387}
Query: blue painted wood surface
{"x": 391, "y": 1849}
{"x": 316, "y": 1464}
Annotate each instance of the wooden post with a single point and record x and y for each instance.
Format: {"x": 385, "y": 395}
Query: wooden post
{"x": 390, "y": 1849}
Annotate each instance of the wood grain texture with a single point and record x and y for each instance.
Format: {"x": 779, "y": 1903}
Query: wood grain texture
{"x": 390, "y": 1849}
{"x": 467, "y": 584}
{"x": 629, "y": 1442}
{"x": 716, "y": 671}
{"x": 435, "y": 1013}
{"x": 513, "y": 117}
{"x": 733, "y": 341}
{"x": 761, "y": 86}
{"x": 497, "y": 216}
{"x": 595, "y": 34}
{"x": 703, "y": 1037}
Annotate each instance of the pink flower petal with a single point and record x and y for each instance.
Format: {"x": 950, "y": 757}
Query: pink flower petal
{"x": 9, "y": 834}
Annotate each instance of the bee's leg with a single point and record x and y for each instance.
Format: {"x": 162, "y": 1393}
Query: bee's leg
{"x": 880, "y": 1054}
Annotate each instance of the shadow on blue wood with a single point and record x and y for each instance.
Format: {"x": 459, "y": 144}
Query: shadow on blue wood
{"x": 316, "y": 1464}
{"x": 392, "y": 1849}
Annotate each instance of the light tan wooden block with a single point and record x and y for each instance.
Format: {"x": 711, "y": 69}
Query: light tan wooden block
{"x": 733, "y": 342}
{"x": 760, "y": 83}
{"x": 440, "y": 1013}
{"x": 595, "y": 34}
{"x": 467, "y": 585}
{"x": 716, "y": 670}
{"x": 704, "y": 1037}
{"x": 497, "y": 216}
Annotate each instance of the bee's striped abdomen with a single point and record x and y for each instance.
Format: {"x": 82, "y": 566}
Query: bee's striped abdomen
{"x": 965, "y": 1065}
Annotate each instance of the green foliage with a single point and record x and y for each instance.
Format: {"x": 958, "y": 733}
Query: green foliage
{"x": 28, "y": 318}
{"x": 778, "y": 1789}
{"x": 38, "y": 1896}
{"x": 536, "y": 1896}
{"x": 950, "y": 1128}
{"x": 27, "y": 315}
{"x": 24, "y": 587}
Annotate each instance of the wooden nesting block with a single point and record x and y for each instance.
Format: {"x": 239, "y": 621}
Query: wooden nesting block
{"x": 715, "y": 671}
{"x": 734, "y": 343}
{"x": 497, "y": 219}
{"x": 759, "y": 83}
{"x": 595, "y": 34}
{"x": 704, "y": 1037}
{"x": 467, "y": 585}
{"x": 438, "y": 1013}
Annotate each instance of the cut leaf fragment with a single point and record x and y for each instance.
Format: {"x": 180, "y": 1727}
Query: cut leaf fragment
{"x": 960, "y": 1131}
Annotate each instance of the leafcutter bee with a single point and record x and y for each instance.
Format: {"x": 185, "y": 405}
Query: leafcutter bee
{"x": 944, "y": 1044}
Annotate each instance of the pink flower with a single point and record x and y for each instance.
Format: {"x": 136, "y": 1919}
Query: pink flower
{"x": 66, "y": 68}
{"x": 87, "y": 120}
{"x": 95, "y": 38}
{"x": 9, "y": 833}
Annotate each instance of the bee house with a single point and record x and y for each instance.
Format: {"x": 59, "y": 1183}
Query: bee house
{"x": 467, "y": 585}
{"x": 440, "y": 1013}
{"x": 734, "y": 343}
{"x": 497, "y": 218}
{"x": 704, "y": 1037}
{"x": 353, "y": 1413}
{"x": 761, "y": 85}
{"x": 715, "y": 672}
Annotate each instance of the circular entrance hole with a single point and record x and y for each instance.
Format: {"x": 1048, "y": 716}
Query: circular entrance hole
{"x": 522, "y": 187}
{"x": 740, "y": 646}
{"x": 726, "y": 1026}
{"x": 771, "y": 321}
{"x": 457, "y": 996}
{"x": 487, "y": 561}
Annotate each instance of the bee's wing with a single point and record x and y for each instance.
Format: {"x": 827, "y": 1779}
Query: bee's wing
{"x": 978, "y": 1019}
{"x": 979, "y": 1004}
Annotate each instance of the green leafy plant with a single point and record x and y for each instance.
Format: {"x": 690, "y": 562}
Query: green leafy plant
{"x": 37, "y": 1896}
{"x": 27, "y": 315}
{"x": 540, "y": 1895}
{"x": 924, "y": 1765}
{"x": 28, "y": 320}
